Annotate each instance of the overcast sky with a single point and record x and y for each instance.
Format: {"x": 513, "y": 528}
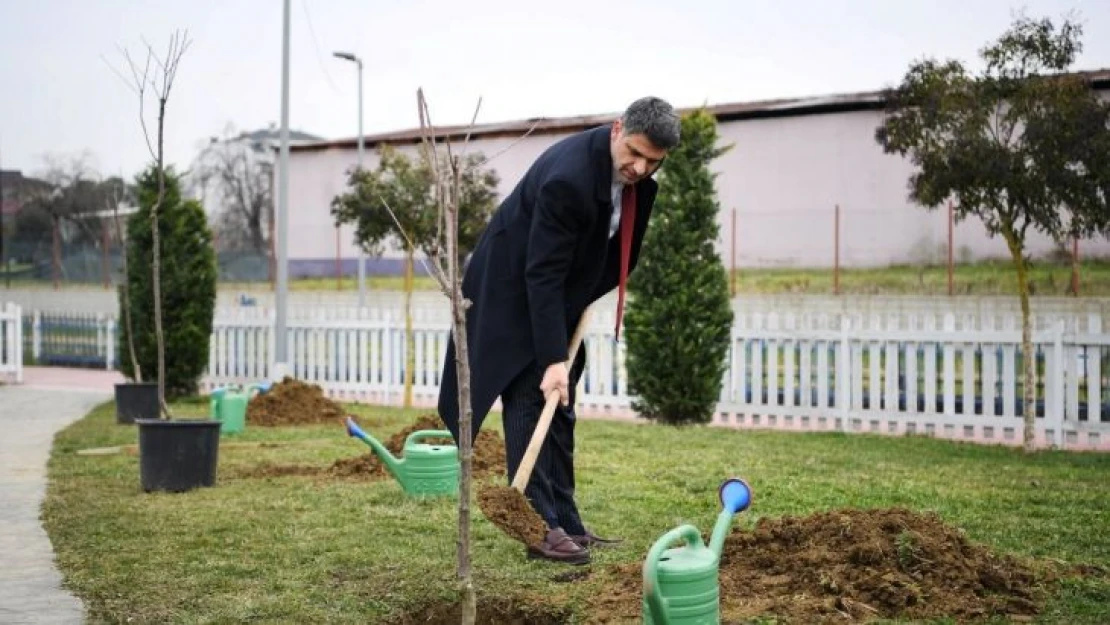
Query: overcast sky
{"x": 525, "y": 59}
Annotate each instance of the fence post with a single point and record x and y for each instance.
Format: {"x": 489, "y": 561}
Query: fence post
{"x": 36, "y": 336}
{"x": 110, "y": 334}
{"x": 1054, "y": 413}
{"x": 271, "y": 347}
{"x": 388, "y": 345}
{"x": 844, "y": 373}
{"x": 17, "y": 330}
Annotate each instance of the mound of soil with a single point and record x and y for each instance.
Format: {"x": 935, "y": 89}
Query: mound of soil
{"x": 851, "y": 566}
{"x": 488, "y": 460}
{"x": 510, "y": 511}
{"x": 292, "y": 402}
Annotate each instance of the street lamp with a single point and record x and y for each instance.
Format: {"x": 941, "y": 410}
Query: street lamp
{"x": 347, "y": 56}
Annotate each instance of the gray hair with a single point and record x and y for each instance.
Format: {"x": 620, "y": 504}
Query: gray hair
{"x": 655, "y": 118}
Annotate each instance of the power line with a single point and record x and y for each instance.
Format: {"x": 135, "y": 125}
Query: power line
{"x": 316, "y": 45}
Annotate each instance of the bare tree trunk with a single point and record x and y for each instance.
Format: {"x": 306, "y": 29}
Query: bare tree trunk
{"x": 157, "y": 263}
{"x": 179, "y": 43}
{"x": 1028, "y": 356}
{"x": 410, "y": 340}
{"x": 462, "y": 369}
{"x": 447, "y": 203}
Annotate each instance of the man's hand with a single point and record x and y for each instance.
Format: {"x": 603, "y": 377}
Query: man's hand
{"x": 556, "y": 378}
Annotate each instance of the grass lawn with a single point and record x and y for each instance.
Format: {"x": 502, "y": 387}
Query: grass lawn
{"x": 311, "y": 548}
{"x": 981, "y": 278}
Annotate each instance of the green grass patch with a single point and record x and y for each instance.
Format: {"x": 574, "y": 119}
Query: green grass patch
{"x": 316, "y": 549}
{"x": 1048, "y": 277}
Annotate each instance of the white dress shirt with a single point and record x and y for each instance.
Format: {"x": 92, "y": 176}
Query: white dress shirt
{"x": 615, "y": 221}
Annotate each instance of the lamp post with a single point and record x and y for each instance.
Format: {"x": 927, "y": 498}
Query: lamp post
{"x": 281, "y": 357}
{"x": 347, "y": 56}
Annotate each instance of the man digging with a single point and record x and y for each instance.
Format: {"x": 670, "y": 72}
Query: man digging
{"x": 569, "y": 233}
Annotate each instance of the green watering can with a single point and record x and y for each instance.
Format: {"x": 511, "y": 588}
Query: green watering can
{"x": 228, "y": 405}
{"x": 681, "y": 584}
{"x": 424, "y": 470}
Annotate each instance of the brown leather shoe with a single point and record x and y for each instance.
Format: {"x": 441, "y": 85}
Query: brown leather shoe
{"x": 589, "y": 539}
{"x": 558, "y": 547}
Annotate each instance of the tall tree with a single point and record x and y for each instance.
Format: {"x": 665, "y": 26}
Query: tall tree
{"x": 1021, "y": 145}
{"x": 679, "y": 321}
{"x": 407, "y": 187}
{"x": 187, "y": 277}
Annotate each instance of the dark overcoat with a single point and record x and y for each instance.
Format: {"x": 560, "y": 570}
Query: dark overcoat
{"x": 543, "y": 258}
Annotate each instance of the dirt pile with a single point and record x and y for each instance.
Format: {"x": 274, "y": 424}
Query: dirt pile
{"x": 292, "y": 402}
{"x": 851, "y": 566}
{"x": 510, "y": 511}
{"x": 488, "y": 460}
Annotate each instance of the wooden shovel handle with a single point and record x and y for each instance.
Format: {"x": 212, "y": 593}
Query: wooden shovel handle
{"x": 528, "y": 462}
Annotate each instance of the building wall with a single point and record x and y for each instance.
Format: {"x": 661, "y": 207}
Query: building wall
{"x": 780, "y": 183}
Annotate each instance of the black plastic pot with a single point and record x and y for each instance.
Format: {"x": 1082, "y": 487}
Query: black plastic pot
{"x": 136, "y": 400}
{"x": 177, "y": 456}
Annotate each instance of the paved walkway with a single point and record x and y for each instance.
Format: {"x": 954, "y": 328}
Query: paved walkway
{"x": 30, "y": 415}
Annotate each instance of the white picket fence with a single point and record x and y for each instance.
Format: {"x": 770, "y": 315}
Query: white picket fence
{"x": 934, "y": 373}
{"x": 11, "y": 351}
{"x": 889, "y": 370}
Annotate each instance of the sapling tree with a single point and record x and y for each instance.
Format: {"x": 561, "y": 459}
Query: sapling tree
{"x": 155, "y": 77}
{"x": 408, "y": 186}
{"x": 1022, "y": 145}
{"x": 445, "y": 265}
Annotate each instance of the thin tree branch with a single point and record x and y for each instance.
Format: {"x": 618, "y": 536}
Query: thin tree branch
{"x": 511, "y": 145}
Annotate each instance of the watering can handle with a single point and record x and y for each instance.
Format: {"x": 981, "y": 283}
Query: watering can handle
{"x": 656, "y": 603}
{"x": 528, "y": 462}
{"x": 422, "y": 434}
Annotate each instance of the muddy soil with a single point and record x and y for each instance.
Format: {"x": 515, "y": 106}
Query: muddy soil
{"x": 488, "y": 460}
{"x": 510, "y": 511}
{"x": 267, "y": 469}
{"x": 850, "y": 566}
{"x": 292, "y": 402}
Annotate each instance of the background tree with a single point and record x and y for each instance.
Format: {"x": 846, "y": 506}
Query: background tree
{"x": 407, "y": 187}
{"x": 188, "y": 278}
{"x": 679, "y": 321}
{"x": 239, "y": 171}
{"x": 1020, "y": 145}
{"x": 61, "y": 213}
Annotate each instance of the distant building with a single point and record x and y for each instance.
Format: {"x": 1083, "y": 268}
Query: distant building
{"x": 16, "y": 189}
{"x": 793, "y": 162}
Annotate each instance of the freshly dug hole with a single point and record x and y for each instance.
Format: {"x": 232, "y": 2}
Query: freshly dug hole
{"x": 491, "y": 611}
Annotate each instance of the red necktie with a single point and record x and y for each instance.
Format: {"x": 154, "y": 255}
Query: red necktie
{"x": 628, "y": 221}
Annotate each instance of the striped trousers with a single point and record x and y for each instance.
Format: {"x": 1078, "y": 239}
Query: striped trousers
{"x": 551, "y": 486}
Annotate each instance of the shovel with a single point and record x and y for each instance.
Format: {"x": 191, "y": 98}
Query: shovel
{"x": 528, "y": 462}
{"x": 507, "y": 508}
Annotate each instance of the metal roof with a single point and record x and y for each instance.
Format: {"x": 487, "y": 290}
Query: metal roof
{"x": 787, "y": 107}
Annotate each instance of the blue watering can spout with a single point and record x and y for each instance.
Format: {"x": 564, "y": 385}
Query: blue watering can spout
{"x": 735, "y": 496}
